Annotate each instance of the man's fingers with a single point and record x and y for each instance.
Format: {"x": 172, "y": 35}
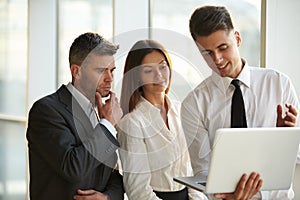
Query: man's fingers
{"x": 99, "y": 104}
{"x": 253, "y": 185}
{"x": 259, "y": 185}
{"x": 291, "y": 117}
{"x": 241, "y": 188}
{"x": 279, "y": 111}
{"x": 89, "y": 195}
{"x": 85, "y": 192}
{"x": 98, "y": 100}
{"x": 111, "y": 110}
{"x": 112, "y": 96}
{"x": 249, "y": 185}
{"x": 239, "y": 192}
{"x": 292, "y": 110}
{"x": 246, "y": 189}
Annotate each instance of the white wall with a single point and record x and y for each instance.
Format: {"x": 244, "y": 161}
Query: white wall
{"x": 283, "y": 47}
{"x": 283, "y": 38}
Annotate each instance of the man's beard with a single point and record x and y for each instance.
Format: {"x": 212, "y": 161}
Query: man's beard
{"x": 104, "y": 94}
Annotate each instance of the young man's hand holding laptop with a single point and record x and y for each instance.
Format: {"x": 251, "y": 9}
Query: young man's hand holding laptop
{"x": 270, "y": 162}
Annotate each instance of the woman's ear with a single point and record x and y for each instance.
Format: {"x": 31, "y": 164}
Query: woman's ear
{"x": 75, "y": 71}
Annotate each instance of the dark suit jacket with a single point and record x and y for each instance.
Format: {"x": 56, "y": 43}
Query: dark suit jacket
{"x": 66, "y": 153}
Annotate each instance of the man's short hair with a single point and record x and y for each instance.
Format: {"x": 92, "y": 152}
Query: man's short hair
{"x": 88, "y": 43}
{"x": 209, "y": 19}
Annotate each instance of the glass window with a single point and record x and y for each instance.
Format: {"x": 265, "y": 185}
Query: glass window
{"x": 174, "y": 16}
{"x": 12, "y": 161}
{"x": 13, "y": 57}
{"x": 13, "y": 77}
{"x": 77, "y": 17}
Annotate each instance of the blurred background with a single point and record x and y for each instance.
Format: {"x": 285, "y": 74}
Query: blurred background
{"x": 35, "y": 37}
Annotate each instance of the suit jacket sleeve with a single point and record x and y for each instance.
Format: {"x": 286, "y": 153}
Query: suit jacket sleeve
{"x": 113, "y": 189}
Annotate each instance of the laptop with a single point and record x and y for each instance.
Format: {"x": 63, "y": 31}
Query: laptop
{"x": 272, "y": 152}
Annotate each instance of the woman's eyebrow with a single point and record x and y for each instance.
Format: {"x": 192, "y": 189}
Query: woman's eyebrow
{"x": 163, "y": 60}
{"x": 146, "y": 66}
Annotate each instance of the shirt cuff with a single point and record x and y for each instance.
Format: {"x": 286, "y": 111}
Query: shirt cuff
{"x": 109, "y": 126}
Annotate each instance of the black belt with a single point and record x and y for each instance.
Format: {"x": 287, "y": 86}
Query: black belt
{"x": 177, "y": 195}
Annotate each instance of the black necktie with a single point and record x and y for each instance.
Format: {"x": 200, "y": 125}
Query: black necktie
{"x": 238, "y": 115}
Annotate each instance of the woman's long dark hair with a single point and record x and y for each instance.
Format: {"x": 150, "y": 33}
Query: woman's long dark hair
{"x": 131, "y": 85}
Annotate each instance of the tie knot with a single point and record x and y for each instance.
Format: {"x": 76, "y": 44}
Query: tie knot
{"x": 236, "y": 83}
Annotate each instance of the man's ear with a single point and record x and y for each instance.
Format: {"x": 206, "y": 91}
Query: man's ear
{"x": 75, "y": 71}
{"x": 238, "y": 38}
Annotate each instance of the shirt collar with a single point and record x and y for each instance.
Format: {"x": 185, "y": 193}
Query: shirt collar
{"x": 244, "y": 76}
{"x": 80, "y": 98}
{"x": 224, "y": 82}
{"x": 146, "y": 106}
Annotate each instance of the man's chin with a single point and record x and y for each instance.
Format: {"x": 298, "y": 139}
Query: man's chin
{"x": 104, "y": 94}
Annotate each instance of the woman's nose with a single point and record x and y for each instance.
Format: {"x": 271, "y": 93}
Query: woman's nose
{"x": 158, "y": 73}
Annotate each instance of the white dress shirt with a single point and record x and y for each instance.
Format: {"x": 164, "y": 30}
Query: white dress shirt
{"x": 208, "y": 107}
{"x": 151, "y": 153}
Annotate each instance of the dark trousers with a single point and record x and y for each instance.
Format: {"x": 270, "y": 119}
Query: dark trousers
{"x": 178, "y": 195}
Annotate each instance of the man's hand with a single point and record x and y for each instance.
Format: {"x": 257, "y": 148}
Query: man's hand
{"x": 111, "y": 110}
{"x": 90, "y": 195}
{"x": 290, "y": 118}
{"x": 246, "y": 188}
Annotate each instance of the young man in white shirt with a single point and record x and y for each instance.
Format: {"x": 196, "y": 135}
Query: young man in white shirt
{"x": 208, "y": 106}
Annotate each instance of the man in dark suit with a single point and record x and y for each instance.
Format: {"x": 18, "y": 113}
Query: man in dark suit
{"x": 72, "y": 154}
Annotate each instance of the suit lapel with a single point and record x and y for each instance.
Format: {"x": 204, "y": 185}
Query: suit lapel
{"x": 80, "y": 119}
{"x": 65, "y": 97}
{"x": 83, "y": 127}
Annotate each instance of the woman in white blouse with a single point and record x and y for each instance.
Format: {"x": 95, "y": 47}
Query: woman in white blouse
{"x": 153, "y": 147}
